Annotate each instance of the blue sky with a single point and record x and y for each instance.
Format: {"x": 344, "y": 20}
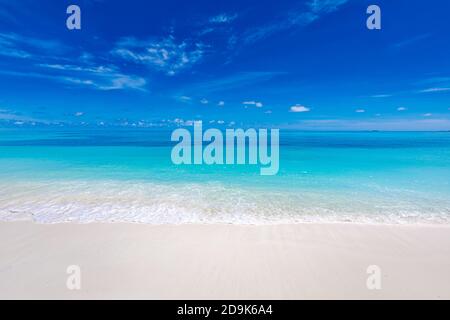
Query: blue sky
{"x": 309, "y": 64}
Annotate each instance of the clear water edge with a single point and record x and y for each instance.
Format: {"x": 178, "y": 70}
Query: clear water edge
{"x": 127, "y": 176}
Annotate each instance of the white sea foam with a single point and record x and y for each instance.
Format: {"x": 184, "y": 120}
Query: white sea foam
{"x": 164, "y": 203}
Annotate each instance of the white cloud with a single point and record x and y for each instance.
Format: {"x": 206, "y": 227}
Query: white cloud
{"x": 325, "y": 6}
{"x": 381, "y": 96}
{"x": 13, "y": 52}
{"x": 164, "y": 54}
{"x": 299, "y": 108}
{"x": 411, "y": 40}
{"x": 220, "y": 122}
{"x": 206, "y": 31}
{"x": 427, "y": 114}
{"x": 297, "y": 17}
{"x": 360, "y": 110}
{"x": 98, "y": 77}
{"x": 18, "y": 46}
{"x": 86, "y": 73}
{"x": 124, "y": 82}
{"x": 185, "y": 99}
{"x": 221, "y": 103}
{"x": 181, "y": 122}
{"x": 204, "y": 101}
{"x": 223, "y": 18}
{"x": 76, "y": 68}
{"x": 434, "y": 90}
{"x": 15, "y": 118}
{"x": 79, "y": 114}
{"x": 402, "y": 109}
{"x": 253, "y": 103}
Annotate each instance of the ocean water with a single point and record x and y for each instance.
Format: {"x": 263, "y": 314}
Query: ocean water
{"x": 106, "y": 175}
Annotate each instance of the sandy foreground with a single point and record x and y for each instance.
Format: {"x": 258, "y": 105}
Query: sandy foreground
{"x": 303, "y": 261}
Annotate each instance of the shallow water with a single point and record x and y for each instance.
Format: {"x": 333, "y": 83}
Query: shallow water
{"x": 123, "y": 175}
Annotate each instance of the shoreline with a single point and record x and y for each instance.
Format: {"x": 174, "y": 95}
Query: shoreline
{"x": 268, "y": 224}
{"x": 209, "y": 261}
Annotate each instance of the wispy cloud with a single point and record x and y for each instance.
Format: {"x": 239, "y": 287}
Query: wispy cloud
{"x": 184, "y": 99}
{"x": 401, "y": 109}
{"x": 325, "y": 6}
{"x": 166, "y": 54}
{"x": 78, "y": 68}
{"x": 223, "y": 18}
{"x": 100, "y": 78}
{"x": 9, "y": 47}
{"x": 18, "y": 46}
{"x": 360, "y": 110}
{"x": 381, "y": 96}
{"x": 219, "y": 23}
{"x": 298, "y": 17}
{"x": 435, "y": 80}
{"x": 19, "y": 119}
{"x": 434, "y": 84}
{"x": 81, "y": 72}
{"x": 411, "y": 41}
{"x": 429, "y": 90}
{"x": 232, "y": 82}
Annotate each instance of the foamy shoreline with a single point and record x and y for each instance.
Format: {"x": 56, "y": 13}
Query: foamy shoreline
{"x": 294, "y": 261}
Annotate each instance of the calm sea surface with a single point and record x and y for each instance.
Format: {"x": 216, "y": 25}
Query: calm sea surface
{"x": 127, "y": 175}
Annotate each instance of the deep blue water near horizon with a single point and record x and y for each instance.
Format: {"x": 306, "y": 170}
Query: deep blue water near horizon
{"x": 87, "y": 175}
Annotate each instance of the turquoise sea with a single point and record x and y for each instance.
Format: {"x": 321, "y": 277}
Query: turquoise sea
{"x": 109, "y": 175}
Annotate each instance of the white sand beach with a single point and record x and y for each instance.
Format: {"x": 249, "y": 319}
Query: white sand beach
{"x": 302, "y": 261}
